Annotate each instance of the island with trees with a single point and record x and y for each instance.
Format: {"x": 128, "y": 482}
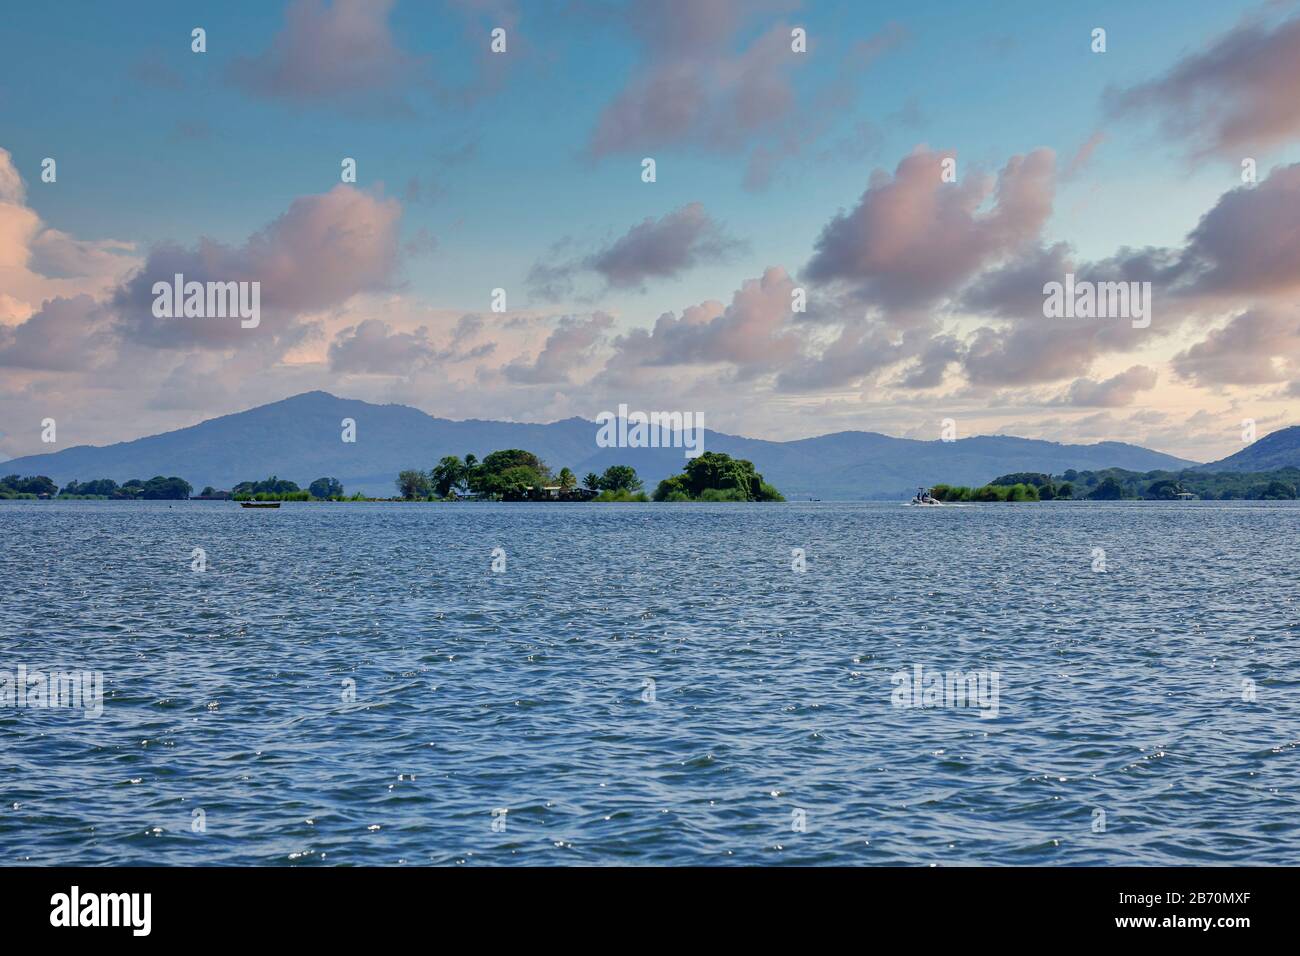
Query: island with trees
{"x": 518, "y": 475}
{"x": 1119, "y": 484}
{"x": 158, "y": 488}
{"x": 514, "y": 474}
{"x": 715, "y": 476}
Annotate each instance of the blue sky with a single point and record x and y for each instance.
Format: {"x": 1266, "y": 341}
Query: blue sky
{"x": 156, "y": 144}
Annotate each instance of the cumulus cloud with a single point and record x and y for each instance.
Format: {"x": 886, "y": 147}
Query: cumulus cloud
{"x": 569, "y": 347}
{"x": 39, "y": 263}
{"x": 64, "y": 335}
{"x": 1238, "y": 93}
{"x": 12, "y": 189}
{"x": 912, "y": 239}
{"x": 1248, "y": 243}
{"x": 931, "y": 366}
{"x": 1257, "y": 347}
{"x": 860, "y": 351}
{"x": 1114, "y": 392}
{"x": 752, "y": 333}
{"x": 373, "y": 346}
{"x": 1033, "y": 354}
{"x": 653, "y": 249}
{"x": 1244, "y": 251}
{"x": 320, "y": 252}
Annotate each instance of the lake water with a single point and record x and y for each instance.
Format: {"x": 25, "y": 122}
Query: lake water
{"x": 355, "y": 684}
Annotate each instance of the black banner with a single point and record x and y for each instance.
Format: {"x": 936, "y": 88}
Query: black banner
{"x": 335, "y": 905}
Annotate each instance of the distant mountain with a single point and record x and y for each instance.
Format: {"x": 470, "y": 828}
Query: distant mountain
{"x": 299, "y": 439}
{"x": 1280, "y": 449}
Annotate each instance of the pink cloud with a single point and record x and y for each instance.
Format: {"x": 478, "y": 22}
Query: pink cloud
{"x": 1236, "y": 94}
{"x": 320, "y": 252}
{"x": 912, "y": 238}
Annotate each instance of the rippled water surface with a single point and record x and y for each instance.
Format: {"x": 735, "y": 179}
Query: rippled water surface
{"x": 228, "y": 691}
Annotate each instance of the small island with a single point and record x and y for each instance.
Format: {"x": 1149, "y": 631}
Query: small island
{"x": 518, "y": 475}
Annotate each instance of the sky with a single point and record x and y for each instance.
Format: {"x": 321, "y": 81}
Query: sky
{"x": 799, "y": 154}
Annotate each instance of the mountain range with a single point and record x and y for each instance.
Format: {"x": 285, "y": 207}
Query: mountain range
{"x": 300, "y": 438}
{"x": 1279, "y": 449}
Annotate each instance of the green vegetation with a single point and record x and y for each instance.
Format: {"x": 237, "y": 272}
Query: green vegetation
{"x": 1020, "y": 491}
{"x": 413, "y": 484}
{"x": 281, "y": 489}
{"x": 161, "y": 488}
{"x": 508, "y": 473}
{"x": 158, "y": 488}
{"x": 621, "y": 495}
{"x": 449, "y": 475}
{"x": 514, "y": 474}
{"x": 1114, "y": 484}
{"x": 326, "y": 489}
{"x": 715, "y": 476}
{"x": 99, "y": 488}
{"x": 272, "y": 489}
{"x": 619, "y": 478}
{"x": 517, "y": 475}
{"x": 12, "y": 486}
{"x": 1118, "y": 484}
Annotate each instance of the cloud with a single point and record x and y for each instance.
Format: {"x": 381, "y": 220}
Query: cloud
{"x": 1083, "y": 156}
{"x": 754, "y": 333}
{"x": 64, "y": 335}
{"x": 932, "y": 364}
{"x": 1034, "y": 354}
{"x": 38, "y": 263}
{"x": 342, "y": 54}
{"x": 653, "y": 249}
{"x": 862, "y": 350}
{"x": 1236, "y": 94}
{"x": 1248, "y": 243}
{"x": 717, "y": 75}
{"x": 374, "y": 347}
{"x": 320, "y": 252}
{"x": 570, "y": 346}
{"x": 1257, "y": 347}
{"x": 912, "y": 239}
{"x": 1114, "y": 392}
{"x": 378, "y": 347}
{"x": 690, "y": 85}
{"x": 12, "y": 189}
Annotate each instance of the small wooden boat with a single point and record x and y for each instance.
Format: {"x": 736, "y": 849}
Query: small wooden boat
{"x": 259, "y": 504}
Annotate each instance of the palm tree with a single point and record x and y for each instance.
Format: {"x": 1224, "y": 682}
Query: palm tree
{"x": 592, "y": 481}
{"x": 568, "y": 480}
